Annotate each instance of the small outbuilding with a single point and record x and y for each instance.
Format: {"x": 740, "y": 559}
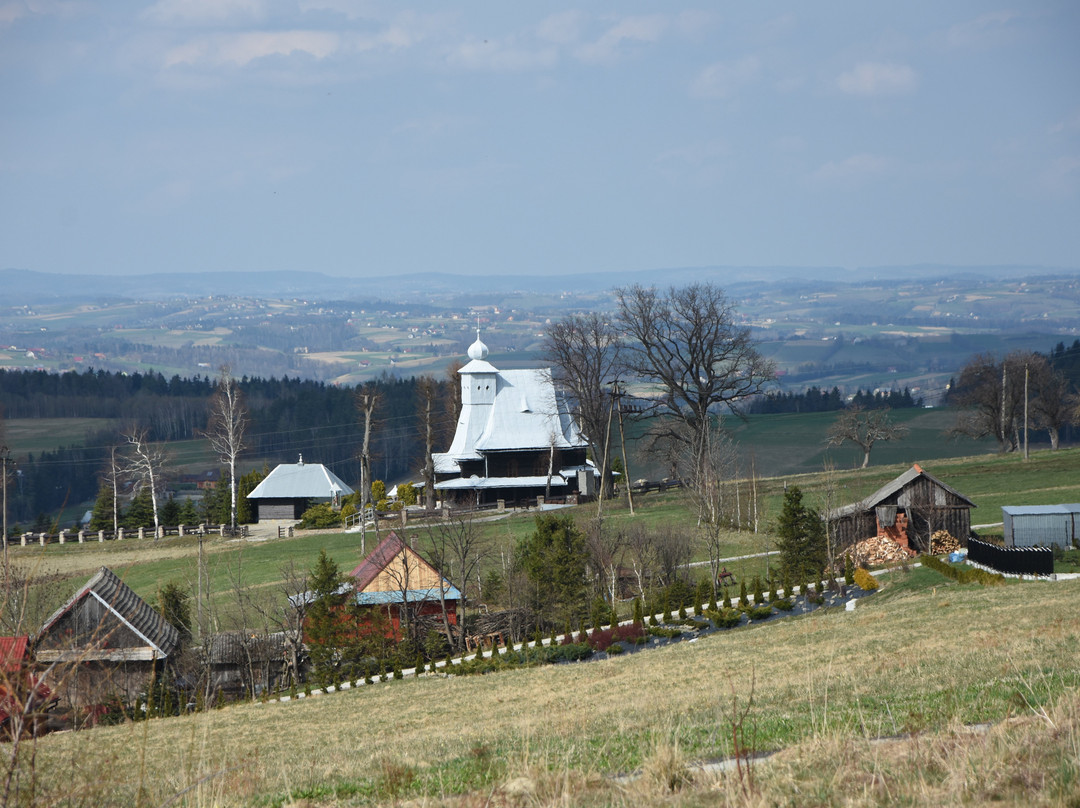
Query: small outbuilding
{"x": 1041, "y": 525}
{"x": 908, "y": 510}
{"x": 292, "y": 488}
{"x": 105, "y": 641}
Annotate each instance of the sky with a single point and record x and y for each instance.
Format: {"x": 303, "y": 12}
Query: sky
{"x": 368, "y": 139}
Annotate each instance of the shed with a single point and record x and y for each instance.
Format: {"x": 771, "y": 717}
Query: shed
{"x": 908, "y": 510}
{"x": 105, "y": 641}
{"x": 1041, "y": 525}
{"x": 292, "y": 488}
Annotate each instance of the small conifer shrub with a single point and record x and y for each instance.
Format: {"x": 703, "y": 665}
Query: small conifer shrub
{"x": 864, "y": 580}
{"x": 849, "y": 570}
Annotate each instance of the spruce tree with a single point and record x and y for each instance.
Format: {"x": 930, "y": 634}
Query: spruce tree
{"x": 743, "y": 600}
{"x": 639, "y": 614}
{"x": 800, "y": 536}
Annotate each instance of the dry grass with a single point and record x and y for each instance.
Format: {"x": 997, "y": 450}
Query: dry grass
{"x": 823, "y": 686}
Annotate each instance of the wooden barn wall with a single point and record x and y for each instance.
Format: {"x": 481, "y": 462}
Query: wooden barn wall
{"x": 89, "y": 624}
{"x": 417, "y": 575}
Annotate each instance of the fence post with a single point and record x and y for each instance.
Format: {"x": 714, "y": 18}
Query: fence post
{"x": 25, "y": 536}
{"x": 82, "y": 536}
{"x": 119, "y": 534}
{"x": 180, "y": 531}
{"x": 63, "y": 536}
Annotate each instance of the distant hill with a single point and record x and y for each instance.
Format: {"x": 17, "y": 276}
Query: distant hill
{"x": 28, "y": 287}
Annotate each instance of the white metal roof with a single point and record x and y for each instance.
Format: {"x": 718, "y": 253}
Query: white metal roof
{"x": 471, "y": 483}
{"x": 300, "y": 480}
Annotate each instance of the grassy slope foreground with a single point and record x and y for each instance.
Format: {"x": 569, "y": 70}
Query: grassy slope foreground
{"x": 924, "y": 656}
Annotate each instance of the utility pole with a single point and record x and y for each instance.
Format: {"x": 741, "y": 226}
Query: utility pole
{"x": 607, "y": 460}
{"x": 622, "y": 439}
{"x": 1027, "y": 374}
{"x": 3, "y": 473}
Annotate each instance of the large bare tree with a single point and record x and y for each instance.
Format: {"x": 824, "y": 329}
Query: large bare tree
{"x": 427, "y": 390}
{"x": 687, "y": 343}
{"x": 992, "y": 396}
{"x": 226, "y": 428}
{"x": 585, "y": 354}
{"x": 864, "y": 428}
{"x": 457, "y": 551}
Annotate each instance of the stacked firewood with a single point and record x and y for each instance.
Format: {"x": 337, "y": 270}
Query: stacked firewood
{"x": 878, "y": 550}
{"x": 942, "y": 541}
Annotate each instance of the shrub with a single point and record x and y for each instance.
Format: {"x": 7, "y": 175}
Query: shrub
{"x": 759, "y": 595}
{"x": 614, "y": 649}
{"x": 639, "y": 614}
{"x": 864, "y": 580}
{"x": 725, "y": 618}
{"x": 320, "y": 516}
{"x": 849, "y": 570}
{"x": 760, "y": 612}
{"x": 669, "y": 633}
{"x": 969, "y": 575}
{"x": 743, "y": 599}
{"x": 784, "y": 604}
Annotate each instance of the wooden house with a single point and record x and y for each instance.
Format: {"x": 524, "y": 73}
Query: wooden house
{"x": 908, "y": 510}
{"x": 106, "y": 641}
{"x": 394, "y": 575}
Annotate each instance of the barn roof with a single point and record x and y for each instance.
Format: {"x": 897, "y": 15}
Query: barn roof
{"x": 893, "y": 487}
{"x": 13, "y": 653}
{"x": 131, "y": 610}
{"x": 1040, "y": 510}
{"x": 300, "y": 481}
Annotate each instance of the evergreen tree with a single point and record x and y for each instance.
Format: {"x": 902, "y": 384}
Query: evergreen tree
{"x": 102, "y": 516}
{"x": 245, "y": 485}
{"x": 172, "y": 604}
{"x": 639, "y": 614}
{"x": 800, "y": 537}
{"x": 553, "y": 559}
{"x": 140, "y": 512}
{"x": 330, "y": 629}
{"x": 189, "y": 514}
{"x": 169, "y": 514}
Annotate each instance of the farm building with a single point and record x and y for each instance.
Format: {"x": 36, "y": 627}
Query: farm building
{"x": 515, "y": 439}
{"x": 1041, "y": 525}
{"x": 106, "y": 641}
{"x": 394, "y": 574}
{"x": 908, "y": 510}
{"x": 242, "y": 663}
{"x": 292, "y": 488}
{"x": 24, "y": 697}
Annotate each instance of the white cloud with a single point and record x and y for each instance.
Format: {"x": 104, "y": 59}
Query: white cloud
{"x": 204, "y": 11}
{"x": 1070, "y": 125}
{"x": 11, "y": 12}
{"x": 244, "y": 48}
{"x": 724, "y": 79}
{"x": 877, "y": 78}
{"x": 628, "y": 30}
{"x": 852, "y": 170}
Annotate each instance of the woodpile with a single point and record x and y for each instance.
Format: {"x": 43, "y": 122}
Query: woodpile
{"x": 942, "y": 541}
{"x": 878, "y": 550}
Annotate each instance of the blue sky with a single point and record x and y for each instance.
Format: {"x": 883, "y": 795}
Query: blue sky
{"x": 373, "y": 139}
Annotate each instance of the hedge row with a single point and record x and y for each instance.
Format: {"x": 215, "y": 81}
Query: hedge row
{"x": 966, "y": 575}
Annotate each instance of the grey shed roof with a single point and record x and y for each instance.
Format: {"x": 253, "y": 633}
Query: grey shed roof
{"x": 892, "y": 487}
{"x": 1040, "y": 510}
{"x": 128, "y": 607}
{"x": 300, "y": 481}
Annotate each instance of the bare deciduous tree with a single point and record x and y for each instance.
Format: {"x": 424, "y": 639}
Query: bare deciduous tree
{"x": 687, "y": 343}
{"x": 428, "y": 390}
{"x": 864, "y": 428}
{"x": 710, "y": 487}
{"x": 367, "y": 399}
{"x": 145, "y": 465}
{"x": 457, "y": 550}
{"x": 1051, "y": 403}
{"x": 585, "y": 354}
{"x": 225, "y": 431}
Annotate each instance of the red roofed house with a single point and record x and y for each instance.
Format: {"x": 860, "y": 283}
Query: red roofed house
{"x": 23, "y": 696}
{"x": 393, "y": 575}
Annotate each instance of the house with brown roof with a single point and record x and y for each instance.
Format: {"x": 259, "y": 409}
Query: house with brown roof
{"x": 394, "y": 577}
{"x": 105, "y": 641}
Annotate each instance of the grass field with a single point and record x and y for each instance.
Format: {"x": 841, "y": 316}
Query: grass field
{"x": 917, "y": 663}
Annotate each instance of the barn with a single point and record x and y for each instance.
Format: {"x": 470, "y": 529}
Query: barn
{"x": 292, "y": 488}
{"x": 908, "y": 510}
{"x": 1041, "y": 525}
{"x": 105, "y": 641}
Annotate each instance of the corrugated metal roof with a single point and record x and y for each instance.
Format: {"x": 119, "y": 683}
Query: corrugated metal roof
{"x": 300, "y": 480}
{"x": 1035, "y": 510}
{"x": 474, "y": 482}
{"x": 13, "y": 653}
{"x": 450, "y": 592}
{"x": 128, "y": 607}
